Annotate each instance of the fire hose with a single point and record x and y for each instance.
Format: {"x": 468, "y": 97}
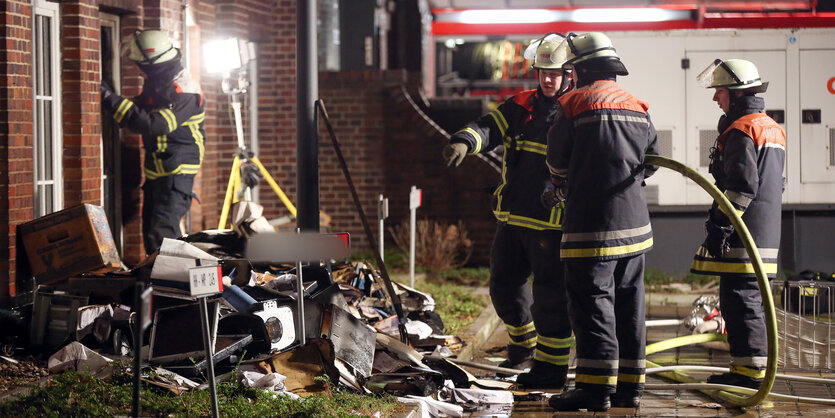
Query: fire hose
{"x": 717, "y": 391}
{"x": 759, "y": 270}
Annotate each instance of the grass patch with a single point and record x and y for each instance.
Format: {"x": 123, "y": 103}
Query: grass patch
{"x": 657, "y": 278}
{"x": 469, "y": 276}
{"x": 79, "y": 394}
{"x": 396, "y": 261}
{"x": 456, "y": 304}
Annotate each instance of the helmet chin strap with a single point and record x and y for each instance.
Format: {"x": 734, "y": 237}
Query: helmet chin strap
{"x": 567, "y": 82}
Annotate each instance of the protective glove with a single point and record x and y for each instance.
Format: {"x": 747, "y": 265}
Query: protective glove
{"x": 552, "y": 196}
{"x": 717, "y": 239}
{"x": 109, "y": 98}
{"x": 454, "y": 153}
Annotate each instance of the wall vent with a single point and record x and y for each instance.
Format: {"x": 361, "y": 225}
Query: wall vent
{"x": 665, "y": 143}
{"x": 832, "y": 147}
{"x": 707, "y": 138}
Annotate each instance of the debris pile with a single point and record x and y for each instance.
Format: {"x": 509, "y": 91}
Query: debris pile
{"x": 345, "y": 323}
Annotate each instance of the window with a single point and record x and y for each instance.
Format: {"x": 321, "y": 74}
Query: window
{"x": 110, "y": 145}
{"x": 46, "y": 108}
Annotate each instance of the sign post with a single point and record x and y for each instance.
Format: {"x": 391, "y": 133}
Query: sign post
{"x": 415, "y": 200}
{"x": 205, "y": 281}
{"x": 142, "y": 307}
{"x": 382, "y": 214}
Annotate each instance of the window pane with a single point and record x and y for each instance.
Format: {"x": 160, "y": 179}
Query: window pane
{"x": 48, "y": 144}
{"x": 39, "y": 104}
{"x": 36, "y": 42}
{"x": 46, "y": 53}
{"x": 48, "y": 201}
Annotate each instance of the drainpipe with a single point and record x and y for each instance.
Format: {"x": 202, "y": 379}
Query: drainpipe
{"x": 307, "y": 147}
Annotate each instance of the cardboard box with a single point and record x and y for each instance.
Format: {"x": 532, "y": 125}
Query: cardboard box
{"x": 70, "y": 242}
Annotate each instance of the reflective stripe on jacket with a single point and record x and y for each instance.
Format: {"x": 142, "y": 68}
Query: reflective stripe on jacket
{"x": 598, "y": 147}
{"x": 748, "y": 167}
{"x": 519, "y": 125}
{"x": 172, "y": 133}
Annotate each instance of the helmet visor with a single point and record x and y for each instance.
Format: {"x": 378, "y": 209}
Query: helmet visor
{"x": 707, "y": 78}
{"x": 530, "y": 51}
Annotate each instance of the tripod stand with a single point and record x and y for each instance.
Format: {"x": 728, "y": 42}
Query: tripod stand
{"x": 244, "y": 176}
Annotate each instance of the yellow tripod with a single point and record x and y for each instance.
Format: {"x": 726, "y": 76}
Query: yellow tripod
{"x": 233, "y": 188}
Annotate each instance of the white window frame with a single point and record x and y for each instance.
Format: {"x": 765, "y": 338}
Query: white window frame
{"x": 112, "y": 21}
{"x": 43, "y": 8}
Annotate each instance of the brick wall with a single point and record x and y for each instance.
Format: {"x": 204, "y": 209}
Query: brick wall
{"x": 413, "y": 157}
{"x": 132, "y": 154}
{"x": 80, "y": 102}
{"x": 272, "y": 26}
{"x": 384, "y": 150}
{"x": 16, "y": 171}
{"x": 357, "y": 103}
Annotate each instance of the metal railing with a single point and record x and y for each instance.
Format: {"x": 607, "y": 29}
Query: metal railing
{"x": 805, "y": 324}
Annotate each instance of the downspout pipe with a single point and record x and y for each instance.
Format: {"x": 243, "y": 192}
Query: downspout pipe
{"x": 307, "y": 141}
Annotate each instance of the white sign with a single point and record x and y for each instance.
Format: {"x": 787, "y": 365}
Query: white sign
{"x": 415, "y": 197}
{"x": 205, "y": 280}
{"x": 147, "y": 314}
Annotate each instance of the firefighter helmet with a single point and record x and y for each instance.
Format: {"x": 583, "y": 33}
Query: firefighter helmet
{"x": 733, "y": 74}
{"x": 548, "y": 52}
{"x": 594, "y": 52}
{"x": 152, "y": 47}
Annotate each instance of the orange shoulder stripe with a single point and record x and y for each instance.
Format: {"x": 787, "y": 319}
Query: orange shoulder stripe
{"x": 602, "y": 94}
{"x": 760, "y": 128}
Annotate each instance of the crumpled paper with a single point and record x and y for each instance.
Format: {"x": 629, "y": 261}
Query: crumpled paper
{"x": 272, "y": 382}
{"x": 76, "y": 356}
{"x": 428, "y": 407}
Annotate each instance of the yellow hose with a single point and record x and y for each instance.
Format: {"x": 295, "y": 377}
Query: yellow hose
{"x": 762, "y": 280}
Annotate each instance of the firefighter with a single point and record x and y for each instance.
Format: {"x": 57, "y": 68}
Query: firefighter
{"x": 595, "y": 156}
{"x": 747, "y": 164}
{"x": 528, "y": 232}
{"x": 169, "y": 116}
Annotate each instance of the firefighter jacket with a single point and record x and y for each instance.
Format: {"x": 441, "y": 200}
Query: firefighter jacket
{"x": 598, "y": 149}
{"x": 519, "y": 125}
{"x": 747, "y": 164}
{"x": 171, "y": 125}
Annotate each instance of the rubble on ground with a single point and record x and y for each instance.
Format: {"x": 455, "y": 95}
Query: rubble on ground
{"x": 353, "y": 333}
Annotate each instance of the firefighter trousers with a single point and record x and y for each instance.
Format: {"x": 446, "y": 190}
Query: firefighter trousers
{"x": 742, "y": 310}
{"x": 167, "y": 199}
{"x": 608, "y": 316}
{"x": 536, "y": 316}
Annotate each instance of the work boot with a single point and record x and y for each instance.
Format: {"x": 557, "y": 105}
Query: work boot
{"x": 519, "y": 358}
{"x": 626, "y": 399}
{"x": 735, "y": 379}
{"x": 543, "y": 376}
{"x": 577, "y": 399}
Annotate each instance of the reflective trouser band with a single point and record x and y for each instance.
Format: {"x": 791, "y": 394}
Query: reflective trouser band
{"x": 556, "y": 342}
{"x": 527, "y": 343}
{"x": 561, "y": 360}
{"x": 520, "y": 330}
{"x": 745, "y": 371}
{"x": 596, "y": 380}
{"x": 631, "y": 378}
{"x": 524, "y": 335}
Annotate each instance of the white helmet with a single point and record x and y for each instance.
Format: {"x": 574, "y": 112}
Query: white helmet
{"x": 594, "y": 51}
{"x": 152, "y": 47}
{"x": 548, "y": 53}
{"x": 732, "y": 74}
